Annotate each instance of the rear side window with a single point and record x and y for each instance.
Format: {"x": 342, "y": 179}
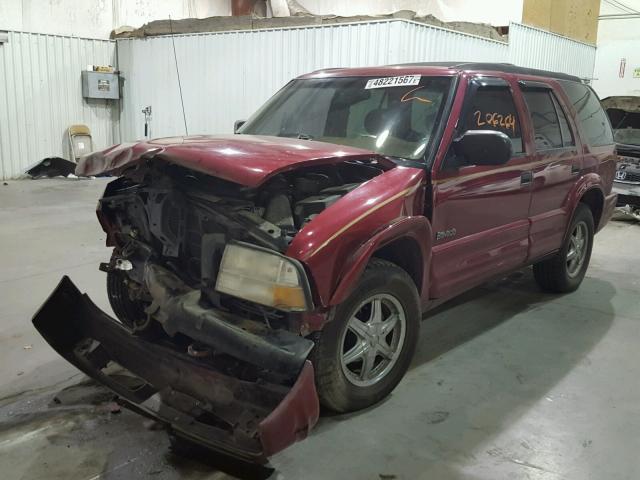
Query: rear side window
{"x": 591, "y": 116}
{"x": 550, "y": 126}
{"x": 567, "y": 135}
{"x": 492, "y": 108}
{"x": 546, "y": 127}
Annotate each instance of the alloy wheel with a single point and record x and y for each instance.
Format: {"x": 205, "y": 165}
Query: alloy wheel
{"x": 577, "y": 249}
{"x": 372, "y": 340}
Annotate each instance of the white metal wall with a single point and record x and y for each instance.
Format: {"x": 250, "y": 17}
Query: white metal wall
{"x": 227, "y": 76}
{"x": 41, "y": 95}
{"x": 618, "y": 57}
{"x": 417, "y": 42}
{"x": 535, "y": 48}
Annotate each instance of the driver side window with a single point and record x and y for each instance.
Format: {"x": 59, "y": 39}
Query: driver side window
{"x": 493, "y": 108}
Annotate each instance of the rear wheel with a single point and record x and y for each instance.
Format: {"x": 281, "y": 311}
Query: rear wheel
{"x": 565, "y": 271}
{"x": 363, "y": 353}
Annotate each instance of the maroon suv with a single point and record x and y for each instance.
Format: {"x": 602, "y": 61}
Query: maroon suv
{"x": 251, "y": 271}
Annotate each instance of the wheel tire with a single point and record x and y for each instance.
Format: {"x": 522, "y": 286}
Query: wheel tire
{"x": 555, "y": 274}
{"x": 130, "y": 312}
{"x": 335, "y": 389}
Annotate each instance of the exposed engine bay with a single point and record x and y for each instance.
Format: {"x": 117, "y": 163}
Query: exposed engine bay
{"x": 166, "y": 217}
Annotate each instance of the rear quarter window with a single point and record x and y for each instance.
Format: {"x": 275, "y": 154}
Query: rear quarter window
{"x": 550, "y": 126}
{"x": 591, "y": 116}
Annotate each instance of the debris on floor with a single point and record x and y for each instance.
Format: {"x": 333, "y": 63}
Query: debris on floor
{"x": 96, "y": 437}
{"x": 52, "y": 167}
{"x": 626, "y": 213}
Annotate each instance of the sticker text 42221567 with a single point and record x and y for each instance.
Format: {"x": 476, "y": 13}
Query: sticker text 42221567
{"x": 401, "y": 81}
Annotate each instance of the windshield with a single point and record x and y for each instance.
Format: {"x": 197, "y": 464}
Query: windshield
{"x": 394, "y": 116}
{"x": 626, "y": 126}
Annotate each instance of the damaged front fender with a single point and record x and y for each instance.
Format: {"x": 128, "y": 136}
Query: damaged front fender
{"x": 246, "y": 417}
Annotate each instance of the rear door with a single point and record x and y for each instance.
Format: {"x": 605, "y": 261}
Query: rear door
{"x": 555, "y": 165}
{"x": 480, "y": 212}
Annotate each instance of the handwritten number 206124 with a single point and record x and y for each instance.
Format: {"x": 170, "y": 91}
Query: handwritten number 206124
{"x": 494, "y": 119}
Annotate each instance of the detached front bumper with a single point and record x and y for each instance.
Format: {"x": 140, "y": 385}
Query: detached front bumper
{"x": 628, "y": 194}
{"x": 248, "y": 419}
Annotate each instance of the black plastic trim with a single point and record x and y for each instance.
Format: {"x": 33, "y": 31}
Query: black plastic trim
{"x": 529, "y": 85}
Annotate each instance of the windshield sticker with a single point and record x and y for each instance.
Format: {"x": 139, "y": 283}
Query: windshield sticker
{"x": 407, "y": 97}
{"x": 385, "y": 82}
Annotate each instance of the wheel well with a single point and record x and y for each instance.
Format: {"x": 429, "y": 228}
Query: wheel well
{"x": 594, "y": 199}
{"x": 405, "y": 253}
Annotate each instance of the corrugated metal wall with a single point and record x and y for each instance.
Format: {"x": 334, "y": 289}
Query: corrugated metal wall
{"x": 535, "y": 48}
{"x": 417, "y": 42}
{"x": 41, "y": 95}
{"x": 227, "y": 76}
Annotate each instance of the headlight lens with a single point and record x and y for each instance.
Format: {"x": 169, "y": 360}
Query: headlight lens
{"x": 263, "y": 277}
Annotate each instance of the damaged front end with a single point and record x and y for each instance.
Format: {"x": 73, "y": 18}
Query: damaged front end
{"x": 210, "y": 309}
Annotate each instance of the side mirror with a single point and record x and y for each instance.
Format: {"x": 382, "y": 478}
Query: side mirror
{"x": 237, "y": 124}
{"x": 483, "y": 147}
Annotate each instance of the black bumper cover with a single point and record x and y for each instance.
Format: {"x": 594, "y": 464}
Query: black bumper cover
{"x": 247, "y": 420}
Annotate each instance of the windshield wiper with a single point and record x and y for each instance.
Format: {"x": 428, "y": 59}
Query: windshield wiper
{"x": 301, "y": 136}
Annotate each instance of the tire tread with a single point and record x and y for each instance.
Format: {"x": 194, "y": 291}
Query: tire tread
{"x": 551, "y": 274}
{"x": 325, "y": 364}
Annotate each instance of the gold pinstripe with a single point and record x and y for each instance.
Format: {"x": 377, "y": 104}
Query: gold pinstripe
{"x": 411, "y": 190}
{"x": 404, "y": 193}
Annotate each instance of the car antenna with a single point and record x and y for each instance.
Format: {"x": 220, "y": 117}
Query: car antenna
{"x": 175, "y": 58}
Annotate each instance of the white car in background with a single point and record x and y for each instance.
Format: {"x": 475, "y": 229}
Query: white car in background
{"x": 624, "y": 113}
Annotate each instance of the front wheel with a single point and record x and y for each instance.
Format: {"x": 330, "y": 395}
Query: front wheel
{"x": 363, "y": 353}
{"x": 565, "y": 271}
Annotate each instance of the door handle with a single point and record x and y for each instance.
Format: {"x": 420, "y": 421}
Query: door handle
{"x": 575, "y": 169}
{"x": 526, "y": 178}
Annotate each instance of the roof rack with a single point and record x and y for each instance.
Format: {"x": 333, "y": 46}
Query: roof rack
{"x": 498, "y": 67}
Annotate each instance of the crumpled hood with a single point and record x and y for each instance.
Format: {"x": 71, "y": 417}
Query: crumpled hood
{"x": 245, "y": 159}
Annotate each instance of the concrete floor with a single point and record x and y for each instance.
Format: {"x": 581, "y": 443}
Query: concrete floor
{"x": 508, "y": 382}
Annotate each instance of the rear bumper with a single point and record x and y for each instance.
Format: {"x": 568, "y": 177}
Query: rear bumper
{"x": 247, "y": 419}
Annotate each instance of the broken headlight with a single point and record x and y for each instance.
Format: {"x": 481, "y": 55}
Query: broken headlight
{"x": 265, "y": 277}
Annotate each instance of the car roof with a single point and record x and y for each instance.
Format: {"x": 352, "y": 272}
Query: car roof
{"x": 442, "y": 68}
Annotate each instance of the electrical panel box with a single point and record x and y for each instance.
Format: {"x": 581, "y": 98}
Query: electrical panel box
{"x": 100, "y": 85}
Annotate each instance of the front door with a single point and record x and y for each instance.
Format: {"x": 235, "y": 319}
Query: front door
{"x": 480, "y": 212}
